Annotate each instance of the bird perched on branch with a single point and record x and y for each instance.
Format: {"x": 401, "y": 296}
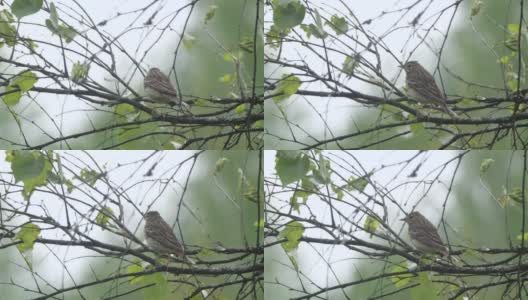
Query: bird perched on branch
{"x": 159, "y": 88}
{"x": 160, "y": 237}
{"x": 422, "y": 87}
{"x": 424, "y": 235}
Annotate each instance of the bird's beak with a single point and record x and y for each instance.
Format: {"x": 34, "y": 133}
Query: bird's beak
{"x": 404, "y": 219}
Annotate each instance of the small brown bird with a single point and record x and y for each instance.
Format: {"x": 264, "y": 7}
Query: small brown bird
{"x": 422, "y": 87}
{"x": 424, "y": 235}
{"x": 158, "y": 86}
{"x": 160, "y": 237}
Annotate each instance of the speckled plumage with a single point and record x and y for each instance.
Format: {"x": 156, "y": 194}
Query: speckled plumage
{"x": 424, "y": 235}
{"x": 158, "y": 87}
{"x": 422, "y": 87}
{"x": 160, "y": 237}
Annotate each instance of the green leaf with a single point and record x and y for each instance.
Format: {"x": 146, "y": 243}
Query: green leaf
{"x": 322, "y": 174}
{"x": 400, "y": 280}
{"x": 308, "y": 185}
{"x": 417, "y": 128}
{"x": 371, "y": 224}
{"x": 127, "y": 135}
{"x": 210, "y": 13}
{"x": 54, "y": 16}
{"x": 175, "y": 143}
{"x": 13, "y": 96}
{"x": 308, "y": 188}
{"x": 512, "y": 43}
{"x": 104, "y": 216}
{"x": 319, "y": 32}
{"x": 486, "y": 164}
{"x": 227, "y": 78}
{"x": 516, "y": 195}
{"x": 28, "y": 234}
{"x": 59, "y": 179}
{"x": 338, "y": 24}
{"x": 349, "y": 65}
{"x": 287, "y": 86}
{"x": 90, "y": 176}
{"x": 504, "y": 60}
{"x": 312, "y": 29}
{"x": 247, "y": 44}
{"x": 292, "y": 233}
{"x": 394, "y": 112}
{"x": 240, "y": 109}
{"x": 159, "y": 288}
{"x": 125, "y": 112}
{"x": 188, "y": 41}
{"x": 158, "y": 282}
{"x": 135, "y": 268}
{"x": 69, "y": 186}
{"x": 288, "y": 15}
{"x": 79, "y": 72}
{"x": 205, "y": 252}
{"x": 294, "y": 202}
{"x": 426, "y": 289}
{"x": 259, "y": 124}
{"x": 260, "y": 224}
{"x": 512, "y": 39}
{"x": 471, "y": 253}
{"x": 30, "y": 167}
{"x": 294, "y": 262}
{"x": 503, "y": 199}
{"x": 476, "y": 5}
{"x": 513, "y": 28}
{"x": 316, "y": 29}
{"x": 246, "y": 188}
{"x": 291, "y": 166}
{"x": 220, "y": 163}
{"x": 357, "y": 184}
{"x": 23, "y": 82}
{"x": 339, "y": 192}
{"x": 7, "y": 29}
{"x": 228, "y": 57}
{"x": 22, "y": 8}
{"x": 465, "y": 102}
{"x": 64, "y": 31}
{"x": 275, "y": 35}
{"x": 201, "y": 102}
{"x": 523, "y": 236}
{"x": 511, "y": 81}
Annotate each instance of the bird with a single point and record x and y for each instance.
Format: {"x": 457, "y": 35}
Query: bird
{"x": 422, "y": 87}
{"x": 424, "y": 235}
{"x": 160, "y": 237}
{"x": 158, "y": 86}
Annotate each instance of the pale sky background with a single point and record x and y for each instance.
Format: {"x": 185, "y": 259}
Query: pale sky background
{"x": 214, "y": 212}
{"x": 337, "y": 112}
{"x": 71, "y": 114}
{"x": 313, "y": 258}
{"x": 46, "y": 264}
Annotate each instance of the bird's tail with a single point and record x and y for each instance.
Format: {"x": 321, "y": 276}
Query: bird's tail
{"x": 182, "y": 106}
{"x": 449, "y": 111}
{"x": 186, "y": 108}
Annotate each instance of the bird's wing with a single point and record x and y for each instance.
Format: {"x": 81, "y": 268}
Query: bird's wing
{"x": 430, "y": 88}
{"x": 432, "y": 233}
{"x": 169, "y": 236}
{"x": 161, "y": 83}
{"x": 434, "y": 90}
